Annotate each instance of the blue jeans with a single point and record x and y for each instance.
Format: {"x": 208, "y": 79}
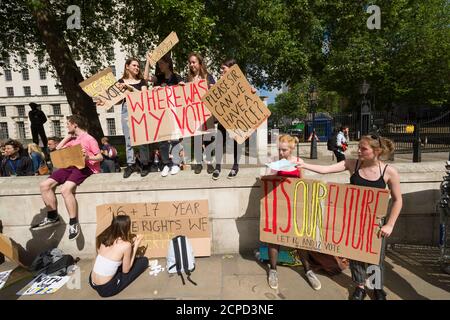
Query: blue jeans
{"x": 143, "y": 149}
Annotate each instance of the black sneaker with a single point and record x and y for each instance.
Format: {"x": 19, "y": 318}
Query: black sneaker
{"x": 74, "y": 231}
{"x": 379, "y": 294}
{"x": 128, "y": 171}
{"x": 145, "y": 171}
{"x": 233, "y": 173}
{"x": 46, "y": 223}
{"x": 198, "y": 168}
{"x": 216, "y": 174}
{"x": 359, "y": 294}
{"x": 210, "y": 168}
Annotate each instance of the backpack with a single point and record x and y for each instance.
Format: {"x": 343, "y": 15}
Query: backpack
{"x": 52, "y": 262}
{"x": 332, "y": 142}
{"x": 180, "y": 258}
{"x": 112, "y": 152}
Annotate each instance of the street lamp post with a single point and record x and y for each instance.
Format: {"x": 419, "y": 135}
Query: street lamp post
{"x": 312, "y": 99}
{"x": 365, "y": 109}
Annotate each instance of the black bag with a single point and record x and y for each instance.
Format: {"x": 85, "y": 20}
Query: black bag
{"x": 332, "y": 142}
{"x": 52, "y": 262}
{"x": 60, "y": 267}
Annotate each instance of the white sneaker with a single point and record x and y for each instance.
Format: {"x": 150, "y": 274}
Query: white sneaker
{"x": 313, "y": 280}
{"x": 165, "y": 171}
{"x": 273, "y": 279}
{"x": 175, "y": 169}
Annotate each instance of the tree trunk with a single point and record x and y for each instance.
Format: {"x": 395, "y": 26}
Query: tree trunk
{"x": 66, "y": 68}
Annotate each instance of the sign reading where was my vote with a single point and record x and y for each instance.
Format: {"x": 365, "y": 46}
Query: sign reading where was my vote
{"x": 104, "y": 86}
{"x": 168, "y": 113}
{"x": 159, "y": 222}
{"x": 337, "y": 219}
{"x": 234, "y": 105}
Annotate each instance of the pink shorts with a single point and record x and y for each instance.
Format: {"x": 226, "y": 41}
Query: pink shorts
{"x": 73, "y": 174}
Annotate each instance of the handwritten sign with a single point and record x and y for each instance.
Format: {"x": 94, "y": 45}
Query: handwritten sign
{"x": 168, "y": 43}
{"x": 11, "y": 250}
{"x": 337, "y": 219}
{"x": 234, "y": 105}
{"x": 68, "y": 157}
{"x": 104, "y": 86}
{"x": 44, "y": 284}
{"x": 168, "y": 113}
{"x": 159, "y": 222}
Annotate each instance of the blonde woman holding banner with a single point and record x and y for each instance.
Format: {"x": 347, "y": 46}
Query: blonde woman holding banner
{"x": 369, "y": 171}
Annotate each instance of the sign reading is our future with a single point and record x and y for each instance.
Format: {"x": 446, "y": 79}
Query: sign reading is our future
{"x": 234, "y": 105}
{"x": 159, "y": 222}
{"x": 337, "y": 219}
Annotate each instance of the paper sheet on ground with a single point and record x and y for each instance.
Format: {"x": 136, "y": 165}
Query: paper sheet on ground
{"x": 44, "y": 284}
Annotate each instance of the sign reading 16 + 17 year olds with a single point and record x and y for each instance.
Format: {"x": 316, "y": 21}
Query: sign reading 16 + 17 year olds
{"x": 159, "y": 222}
{"x": 234, "y": 105}
{"x": 337, "y": 219}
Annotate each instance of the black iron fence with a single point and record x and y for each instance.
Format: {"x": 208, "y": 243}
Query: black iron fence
{"x": 433, "y": 126}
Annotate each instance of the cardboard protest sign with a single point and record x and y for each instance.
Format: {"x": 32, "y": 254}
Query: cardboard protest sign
{"x": 337, "y": 219}
{"x": 168, "y": 113}
{"x": 234, "y": 105}
{"x": 68, "y": 157}
{"x": 159, "y": 222}
{"x": 104, "y": 86}
{"x": 11, "y": 250}
{"x": 168, "y": 43}
{"x": 44, "y": 284}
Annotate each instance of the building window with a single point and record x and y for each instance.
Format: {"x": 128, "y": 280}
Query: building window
{"x": 25, "y": 74}
{"x": 10, "y": 91}
{"x": 111, "y": 124}
{"x": 21, "y": 130}
{"x": 56, "y": 128}
{"x": 56, "y": 109}
{"x": 60, "y": 89}
{"x": 113, "y": 68}
{"x": 4, "y": 131}
{"x": 23, "y": 57}
{"x": 42, "y": 73}
{"x": 40, "y": 58}
{"x": 21, "y": 111}
{"x": 44, "y": 90}
{"x": 8, "y": 75}
{"x": 110, "y": 54}
{"x": 27, "y": 91}
{"x": 2, "y": 111}
{"x": 110, "y": 110}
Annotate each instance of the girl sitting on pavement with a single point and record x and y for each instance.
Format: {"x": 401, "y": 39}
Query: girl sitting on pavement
{"x": 116, "y": 265}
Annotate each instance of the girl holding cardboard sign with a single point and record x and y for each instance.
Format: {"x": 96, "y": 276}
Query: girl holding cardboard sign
{"x": 116, "y": 265}
{"x": 286, "y": 145}
{"x": 369, "y": 171}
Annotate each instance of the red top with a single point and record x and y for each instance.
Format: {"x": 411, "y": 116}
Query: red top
{"x": 292, "y": 174}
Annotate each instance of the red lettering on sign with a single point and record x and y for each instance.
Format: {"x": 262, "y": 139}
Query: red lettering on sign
{"x": 288, "y": 201}
{"x": 133, "y": 121}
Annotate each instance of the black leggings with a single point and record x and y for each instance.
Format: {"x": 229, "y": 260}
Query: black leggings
{"x": 121, "y": 280}
{"x": 221, "y": 150}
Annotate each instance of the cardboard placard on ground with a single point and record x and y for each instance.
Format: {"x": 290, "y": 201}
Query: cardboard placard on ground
{"x": 159, "y": 222}
{"x": 104, "y": 86}
{"x": 232, "y": 102}
{"x": 168, "y": 43}
{"x": 337, "y": 219}
{"x": 168, "y": 113}
{"x": 68, "y": 157}
{"x": 11, "y": 250}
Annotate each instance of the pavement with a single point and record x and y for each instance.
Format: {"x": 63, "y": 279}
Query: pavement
{"x": 411, "y": 273}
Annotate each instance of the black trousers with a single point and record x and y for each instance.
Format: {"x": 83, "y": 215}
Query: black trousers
{"x": 339, "y": 156}
{"x": 121, "y": 280}
{"x": 220, "y": 151}
{"x": 39, "y": 131}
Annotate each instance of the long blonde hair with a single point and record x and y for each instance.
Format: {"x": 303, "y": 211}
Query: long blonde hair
{"x": 33, "y": 147}
{"x": 203, "y": 73}
{"x": 378, "y": 143}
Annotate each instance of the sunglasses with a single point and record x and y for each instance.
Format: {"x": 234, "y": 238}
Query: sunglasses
{"x": 376, "y": 137}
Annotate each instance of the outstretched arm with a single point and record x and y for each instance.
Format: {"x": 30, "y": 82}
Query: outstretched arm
{"x": 337, "y": 167}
